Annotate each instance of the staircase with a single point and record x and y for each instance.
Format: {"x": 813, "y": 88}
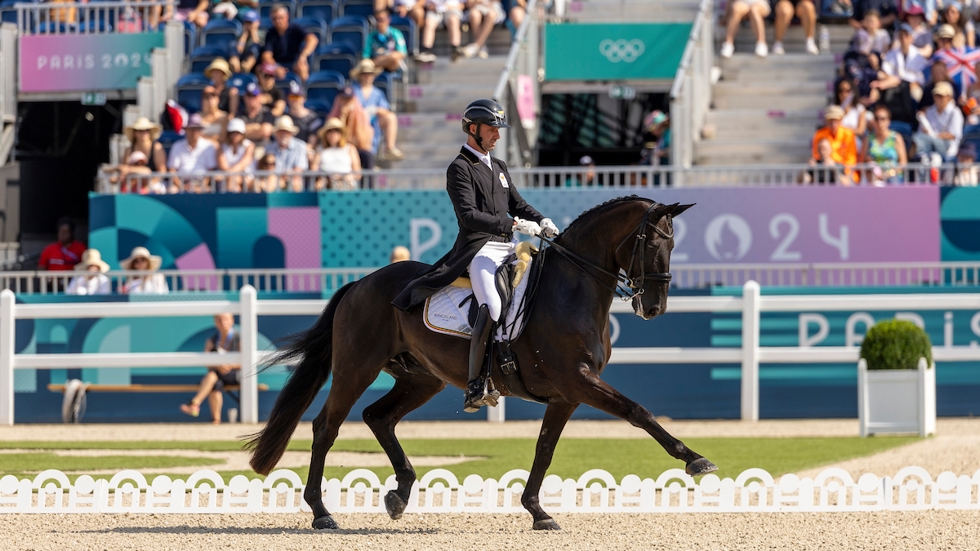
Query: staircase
{"x": 766, "y": 110}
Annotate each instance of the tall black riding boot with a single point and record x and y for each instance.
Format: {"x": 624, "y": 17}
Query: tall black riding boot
{"x": 476, "y": 389}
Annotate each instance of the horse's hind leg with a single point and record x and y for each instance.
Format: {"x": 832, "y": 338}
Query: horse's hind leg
{"x": 411, "y": 390}
{"x": 589, "y": 389}
{"x": 555, "y": 417}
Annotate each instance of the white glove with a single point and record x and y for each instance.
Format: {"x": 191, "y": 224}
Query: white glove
{"x": 549, "y": 229}
{"x": 528, "y": 227}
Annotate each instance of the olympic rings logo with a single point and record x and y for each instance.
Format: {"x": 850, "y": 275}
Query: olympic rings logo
{"x": 622, "y": 49}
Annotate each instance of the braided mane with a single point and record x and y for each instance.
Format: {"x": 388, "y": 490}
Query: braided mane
{"x": 601, "y": 207}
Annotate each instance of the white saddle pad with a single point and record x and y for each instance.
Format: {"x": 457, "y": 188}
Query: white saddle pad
{"x": 443, "y": 313}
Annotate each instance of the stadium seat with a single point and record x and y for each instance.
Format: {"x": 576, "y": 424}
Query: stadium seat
{"x": 266, "y": 5}
{"x": 202, "y": 56}
{"x": 265, "y": 24}
{"x": 167, "y": 139}
{"x": 408, "y": 28}
{"x": 189, "y": 89}
{"x": 315, "y": 26}
{"x": 340, "y": 57}
{"x": 323, "y": 86}
{"x": 386, "y": 83}
{"x": 221, "y": 32}
{"x": 319, "y": 107}
{"x": 352, "y": 30}
{"x": 241, "y": 80}
{"x": 190, "y": 37}
{"x": 324, "y": 10}
{"x": 362, "y": 8}
{"x": 7, "y": 12}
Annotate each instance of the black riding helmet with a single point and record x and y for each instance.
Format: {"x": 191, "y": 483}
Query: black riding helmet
{"x": 483, "y": 111}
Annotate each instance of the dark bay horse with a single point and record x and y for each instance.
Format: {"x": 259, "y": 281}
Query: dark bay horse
{"x": 561, "y": 353}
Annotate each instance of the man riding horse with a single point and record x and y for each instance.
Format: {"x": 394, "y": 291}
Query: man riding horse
{"x": 484, "y": 199}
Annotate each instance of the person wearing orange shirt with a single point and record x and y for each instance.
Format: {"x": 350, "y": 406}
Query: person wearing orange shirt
{"x": 842, "y": 142}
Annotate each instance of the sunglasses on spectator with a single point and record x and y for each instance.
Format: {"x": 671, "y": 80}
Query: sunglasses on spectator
{"x": 882, "y": 118}
{"x": 847, "y": 89}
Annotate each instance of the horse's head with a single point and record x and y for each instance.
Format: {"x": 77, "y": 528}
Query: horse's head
{"x": 644, "y": 255}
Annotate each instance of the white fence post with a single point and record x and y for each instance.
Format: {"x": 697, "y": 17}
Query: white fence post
{"x": 750, "y": 351}
{"x": 249, "y": 324}
{"x": 498, "y": 414}
{"x": 7, "y": 323}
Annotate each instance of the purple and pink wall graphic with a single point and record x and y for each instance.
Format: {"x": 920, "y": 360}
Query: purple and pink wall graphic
{"x": 85, "y": 62}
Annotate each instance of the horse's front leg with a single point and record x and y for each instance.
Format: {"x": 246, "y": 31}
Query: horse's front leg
{"x": 555, "y": 417}
{"x": 587, "y": 388}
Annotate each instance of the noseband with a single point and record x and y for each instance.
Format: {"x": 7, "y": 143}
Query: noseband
{"x": 626, "y": 287}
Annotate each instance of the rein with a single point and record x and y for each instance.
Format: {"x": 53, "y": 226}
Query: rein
{"x": 625, "y": 287}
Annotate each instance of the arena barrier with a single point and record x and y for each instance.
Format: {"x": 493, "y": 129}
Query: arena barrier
{"x": 440, "y": 491}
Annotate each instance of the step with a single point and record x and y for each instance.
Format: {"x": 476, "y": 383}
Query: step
{"x": 789, "y": 60}
{"x": 440, "y": 134}
{"x": 764, "y": 117}
{"x": 773, "y": 158}
{"x": 440, "y": 152}
{"x": 727, "y": 88}
{"x": 767, "y": 132}
{"x": 771, "y": 101}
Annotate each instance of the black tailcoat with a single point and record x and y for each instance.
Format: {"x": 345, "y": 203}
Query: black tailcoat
{"x": 482, "y": 205}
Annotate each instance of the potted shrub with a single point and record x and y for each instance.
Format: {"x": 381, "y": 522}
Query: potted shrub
{"x": 896, "y": 380}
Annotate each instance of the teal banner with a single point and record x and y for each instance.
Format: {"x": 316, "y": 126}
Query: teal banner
{"x": 614, "y": 51}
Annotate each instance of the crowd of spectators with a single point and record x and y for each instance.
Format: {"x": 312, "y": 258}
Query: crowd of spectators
{"x": 757, "y": 11}
{"x": 906, "y": 91}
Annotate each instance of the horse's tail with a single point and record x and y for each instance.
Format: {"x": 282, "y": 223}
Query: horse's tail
{"x": 315, "y": 346}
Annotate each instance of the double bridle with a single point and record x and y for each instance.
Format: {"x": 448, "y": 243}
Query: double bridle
{"x": 626, "y": 288}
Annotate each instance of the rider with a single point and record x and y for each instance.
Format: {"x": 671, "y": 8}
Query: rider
{"x": 483, "y": 195}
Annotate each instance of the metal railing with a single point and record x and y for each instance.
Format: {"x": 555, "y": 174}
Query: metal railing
{"x": 686, "y": 276}
{"x": 103, "y": 17}
{"x": 690, "y": 96}
{"x": 518, "y": 89}
{"x": 108, "y": 181}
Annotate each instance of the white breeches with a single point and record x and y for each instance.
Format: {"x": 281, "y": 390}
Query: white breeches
{"x": 482, "y": 269}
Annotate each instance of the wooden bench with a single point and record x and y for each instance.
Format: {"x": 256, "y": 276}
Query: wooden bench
{"x": 229, "y": 389}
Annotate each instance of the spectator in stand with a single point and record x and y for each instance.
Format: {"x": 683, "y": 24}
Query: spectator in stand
{"x": 386, "y": 45}
{"x": 271, "y": 96}
{"x": 378, "y": 110}
{"x": 940, "y": 127}
{"x": 192, "y": 155}
{"x": 938, "y": 73}
{"x": 885, "y": 148}
{"x": 449, "y": 12}
{"x": 887, "y": 12}
{"x": 843, "y": 146}
{"x": 142, "y": 136}
{"x": 967, "y": 173}
{"x": 148, "y": 282}
{"x": 921, "y": 31}
{"x": 903, "y": 80}
{"x": 925, "y": 8}
{"x": 970, "y": 103}
{"x": 267, "y": 183}
{"x": 516, "y": 13}
{"x": 587, "y": 178}
{"x": 806, "y": 12}
{"x": 219, "y": 73}
{"x": 871, "y": 37}
{"x": 287, "y": 45}
{"x": 133, "y": 176}
{"x": 225, "y": 339}
{"x": 825, "y": 169}
{"x": 248, "y": 46}
{"x": 307, "y": 121}
{"x": 482, "y": 16}
{"x": 212, "y": 117}
{"x": 337, "y": 158}
{"x": 236, "y": 155}
{"x": 65, "y": 253}
{"x": 757, "y": 11}
{"x": 953, "y": 16}
{"x": 195, "y": 11}
{"x": 94, "y": 280}
{"x": 357, "y": 125}
{"x": 865, "y": 75}
{"x": 959, "y": 62}
{"x": 258, "y": 119}
{"x": 412, "y": 9}
{"x": 400, "y": 254}
{"x": 656, "y": 139}
{"x": 846, "y": 98}
{"x": 290, "y": 153}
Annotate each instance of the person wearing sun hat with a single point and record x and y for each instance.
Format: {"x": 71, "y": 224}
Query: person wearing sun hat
{"x": 236, "y": 156}
{"x": 147, "y": 282}
{"x": 940, "y": 127}
{"x": 290, "y": 153}
{"x": 142, "y": 136}
{"x": 842, "y": 141}
{"x": 337, "y": 158}
{"x": 219, "y": 72}
{"x": 376, "y": 105}
{"x": 93, "y": 281}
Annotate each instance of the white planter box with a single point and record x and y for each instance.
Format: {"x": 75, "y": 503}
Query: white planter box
{"x": 894, "y": 401}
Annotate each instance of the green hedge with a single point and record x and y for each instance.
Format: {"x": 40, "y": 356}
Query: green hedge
{"x": 896, "y": 344}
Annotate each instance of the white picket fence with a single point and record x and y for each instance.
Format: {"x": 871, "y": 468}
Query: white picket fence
{"x": 439, "y": 491}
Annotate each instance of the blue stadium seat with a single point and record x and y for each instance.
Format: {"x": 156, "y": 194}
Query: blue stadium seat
{"x": 315, "y": 26}
{"x": 266, "y": 5}
{"x": 323, "y": 86}
{"x": 408, "y": 28}
{"x": 7, "y": 12}
{"x": 221, "y": 32}
{"x": 319, "y": 107}
{"x": 340, "y": 57}
{"x": 386, "y": 83}
{"x": 241, "y": 80}
{"x": 167, "y": 139}
{"x": 324, "y": 10}
{"x": 202, "y": 56}
{"x": 352, "y": 30}
{"x": 189, "y": 89}
{"x": 265, "y": 24}
{"x": 362, "y": 8}
{"x": 190, "y": 37}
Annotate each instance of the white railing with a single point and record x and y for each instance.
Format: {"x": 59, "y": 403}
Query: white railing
{"x": 518, "y": 89}
{"x": 275, "y": 280}
{"x": 557, "y": 178}
{"x": 690, "y": 96}
{"x": 686, "y": 276}
{"x": 440, "y": 491}
{"x": 750, "y": 355}
{"x": 103, "y": 17}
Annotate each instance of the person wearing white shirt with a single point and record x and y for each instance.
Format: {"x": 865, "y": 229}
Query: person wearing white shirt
{"x": 93, "y": 281}
{"x": 146, "y": 283}
{"x": 192, "y": 155}
{"x": 940, "y": 126}
{"x": 904, "y": 63}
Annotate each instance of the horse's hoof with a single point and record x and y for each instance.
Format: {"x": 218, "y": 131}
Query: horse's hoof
{"x": 546, "y": 524}
{"x": 325, "y": 523}
{"x": 394, "y": 505}
{"x": 700, "y": 466}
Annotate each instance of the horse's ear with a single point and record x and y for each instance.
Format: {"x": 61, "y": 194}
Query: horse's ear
{"x": 678, "y": 209}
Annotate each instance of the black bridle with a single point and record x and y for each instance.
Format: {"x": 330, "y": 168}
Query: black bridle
{"x": 626, "y": 287}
